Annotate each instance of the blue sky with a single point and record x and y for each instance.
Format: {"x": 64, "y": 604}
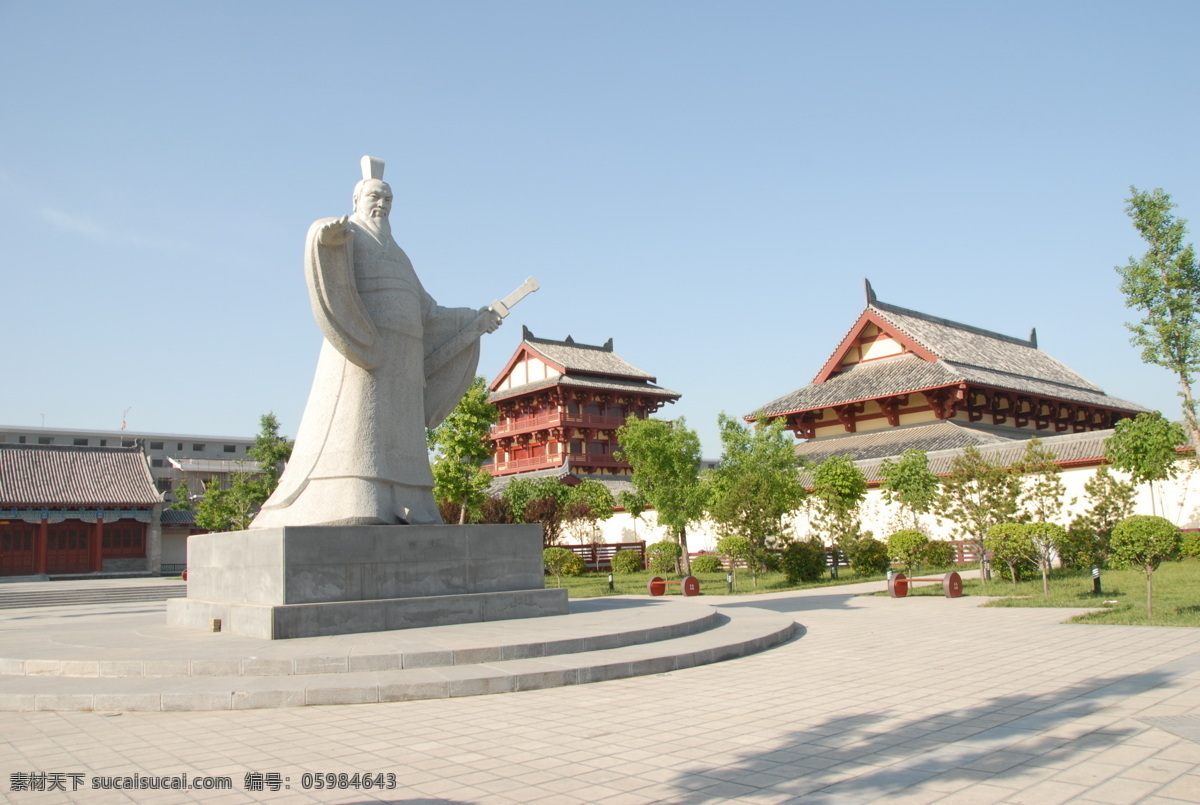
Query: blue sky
{"x": 705, "y": 182}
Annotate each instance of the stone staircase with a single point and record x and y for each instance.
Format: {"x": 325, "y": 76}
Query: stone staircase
{"x": 56, "y": 594}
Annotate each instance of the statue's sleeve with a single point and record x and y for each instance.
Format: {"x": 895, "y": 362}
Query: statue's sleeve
{"x": 445, "y": 386}
{"x": 336, "y": 305}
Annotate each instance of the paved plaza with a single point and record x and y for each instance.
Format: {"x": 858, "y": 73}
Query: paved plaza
{"x": 919, "y": 700}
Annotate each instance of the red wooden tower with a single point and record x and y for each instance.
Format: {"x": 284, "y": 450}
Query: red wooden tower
{"x": 560, "y": 404}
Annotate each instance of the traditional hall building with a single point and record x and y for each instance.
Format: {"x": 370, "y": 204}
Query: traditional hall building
{"x": 560, "y": 404}
{"x": 902, "y": 379}
{"x": 67, "y": 510}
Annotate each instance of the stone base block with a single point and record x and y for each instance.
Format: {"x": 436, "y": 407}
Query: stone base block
{"x": 328, "y": 580}
{"x": 275, "y": 622}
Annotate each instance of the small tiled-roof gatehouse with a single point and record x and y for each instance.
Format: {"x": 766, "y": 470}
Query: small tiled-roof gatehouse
{"x": 77, "y": 510}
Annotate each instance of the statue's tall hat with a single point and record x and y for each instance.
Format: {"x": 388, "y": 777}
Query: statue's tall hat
{"x": 372, "y": 168}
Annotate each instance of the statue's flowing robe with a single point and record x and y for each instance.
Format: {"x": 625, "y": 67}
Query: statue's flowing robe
{"x": 360, "y": 455}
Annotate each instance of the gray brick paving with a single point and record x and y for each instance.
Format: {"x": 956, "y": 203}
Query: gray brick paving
{"x": 924, "y": 700}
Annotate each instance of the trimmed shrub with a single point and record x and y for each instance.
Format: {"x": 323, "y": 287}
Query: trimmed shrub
{"x": 803, "y": 561}
{"x": 868, "y": 556}
{"x": 1079, "y": 547}
{"x": 1013, "y": 551}
{"x": 707, "y": 563}
{"x": 939, "y": 553}
{"x": 1144, "y": 541}
{"x": 664, "y": 556}
{"x": 1191, "y": 544}
{"x": 908, "y": 547}
{"x": 627, "y": 561}
{"x": 563, "y": 562}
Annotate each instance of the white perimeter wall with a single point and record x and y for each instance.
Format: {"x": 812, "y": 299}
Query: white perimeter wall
{"x": 1177, "y": 500}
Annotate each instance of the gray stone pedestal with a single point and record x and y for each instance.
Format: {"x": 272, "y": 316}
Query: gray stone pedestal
{"x": 328, "y": 580}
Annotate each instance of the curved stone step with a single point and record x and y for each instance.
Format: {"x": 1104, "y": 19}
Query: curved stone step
{"x": 737, "y": 632}
{"x": 594, "y": 624}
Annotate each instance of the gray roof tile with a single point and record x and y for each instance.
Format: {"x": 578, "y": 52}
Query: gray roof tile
{"x": 964, "y": 354}
{"x": 61, "y": 475}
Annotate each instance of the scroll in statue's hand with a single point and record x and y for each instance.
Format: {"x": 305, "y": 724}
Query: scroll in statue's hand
{"x": 335, "y": 233}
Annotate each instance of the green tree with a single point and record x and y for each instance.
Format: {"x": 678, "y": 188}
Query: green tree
{"x": 183, "y": 499}
{"x": 1048, "y": 540}
{"x": 756, "y": 485}
{"x": 271, "y": 451}
{"x": 232, "y": 507}
{"x": 635, "y": 505}
{"x": 665, "y": 457}
{"x": 1164, "y": 285}
{"x": 976, "y": 495}
{"x": 588, "y": 504}
{"x": 839, "y": 487}
{"x": 910, "y": 484}
{"x": 908, "y": 546}
{"x": 562, "y": 562}
{"x": 1145, "y": 447}
{"x": 1111, "y": 500}
{"x": 460, "y": 447}
{"x": 1012, "y": 544}
{"x": 1144, "y": 541}
{"x": 1042, "y": 488}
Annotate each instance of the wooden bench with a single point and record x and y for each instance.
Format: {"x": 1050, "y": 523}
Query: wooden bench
{"x": 951, "y": 585}
{"x": 689, "y": 585}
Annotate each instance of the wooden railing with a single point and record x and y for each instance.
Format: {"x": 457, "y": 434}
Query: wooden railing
{"x": 552, "y": 419}
{"x": 597, "y": 556}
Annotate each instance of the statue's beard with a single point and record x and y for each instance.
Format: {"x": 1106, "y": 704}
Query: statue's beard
{"x": 380, "y": 227}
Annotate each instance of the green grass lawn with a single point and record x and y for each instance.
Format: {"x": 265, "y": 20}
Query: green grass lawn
{"x": 1123, "y": 602}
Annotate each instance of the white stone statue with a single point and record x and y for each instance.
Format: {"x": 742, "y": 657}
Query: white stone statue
{"x": 393, "y": 363}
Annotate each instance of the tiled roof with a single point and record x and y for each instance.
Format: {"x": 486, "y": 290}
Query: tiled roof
{"x": 1084, "y": 447}
{"x": 178, "y": 517}
{"x": 576, "y": 381}
{"x": 585, "y": 358}
{"x": 964, "y": 346}
{"x": 964, "y": 354}
{"x": 930, "y": 437}
{"x": 61, "y": 475}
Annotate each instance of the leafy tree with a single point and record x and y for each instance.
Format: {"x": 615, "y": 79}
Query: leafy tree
{"x": 664, "y": 556}
{"x": 939, "y": 553}
{"x": 739, "y": 550}
{"x": 1086, "y": 541}
{"x": 665, "y": 457}
{"x": 1012, "y": 544}
{"x": 183, "y": 499}
{"x": 1145, "y": 541}
{"x": 803, "y": 560}
{"x": 521, "y": 491}
{"x": 910, "y": 484}
{"x": 756, "y": 485}
{"x": 1047, "y": 539}
{"x": 562, "y": 562}
{"x": 460, "y": 446}
{"x": 868, "y": 556}
{"x": 976, "y": 495}
{"x": 1145, "y": 447}
{"x": 1164, "y": 285}
{"x": 271, "y": 451}
{"x": 839, "y": 486}
{"x": 1042, "y": 488}
{"x": 909, "y": 547}
{"x": 587, "y": 504}
{"x": 496, "y": 510}
{"x": 634, "y": 503}
{"x": 230, "y": 508}
{"x": 627, "y": 560}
